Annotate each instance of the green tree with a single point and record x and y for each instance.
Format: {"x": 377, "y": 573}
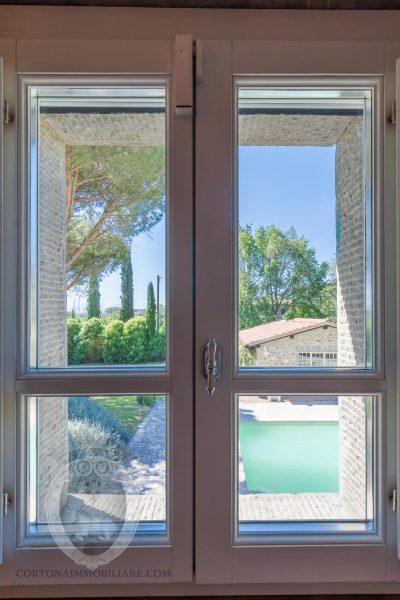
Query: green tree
{"x": 151, "y": 310}
{"x": 329, "y": 294}
{"x": 76, "y": 343}
{"x": 157, "y": 345}
{"x": 136, "y": 340}
{"x": 114, "y": 343}
{"x": 103, "y": 255}
{"x": 113, "y": 194}
{"x": 278, "y": 272}
{"x": 93, "y": 301}
{"x": 246, "y": 356}
{"x": 126, "y": 289}
{"x": 93, "y": 335}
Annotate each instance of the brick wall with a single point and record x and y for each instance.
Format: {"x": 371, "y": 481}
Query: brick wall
{"x": 350, "y": 245}
{"x": 283, "y": 352}
{"x": 52, "y": 292}
{"x": 351, "y": 301}
{"x": 52, "y": 335}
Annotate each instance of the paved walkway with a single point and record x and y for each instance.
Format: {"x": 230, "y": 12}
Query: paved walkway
{"x": 143, "y": 471}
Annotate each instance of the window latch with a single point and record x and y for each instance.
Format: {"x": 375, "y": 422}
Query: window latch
{"x": 7, "y": 118}
{"x": 6, "y": 501}
{"x": 393, "y": 498}
{"x": 392, "y": 117}
{"x": 212, "y": 354}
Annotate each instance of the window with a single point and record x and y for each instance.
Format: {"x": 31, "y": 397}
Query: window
{"x": 305, "y": 464}
{"x": 95, "y": 395}
{"x": 98, "y": 206}
{"x": 317, "y": 359}
{"x": 284, "y": 250}
{"x": 304, "y": 243}
{"x": 304, "y": 226}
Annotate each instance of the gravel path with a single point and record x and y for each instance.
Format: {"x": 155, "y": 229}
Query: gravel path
{"x": 143, "y": 471}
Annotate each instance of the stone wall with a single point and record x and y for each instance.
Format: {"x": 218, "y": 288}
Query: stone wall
{"x": 52, "y": 327}
{"x": 52, "y": 292}
{"x": 350, "y": 245}
{"x": 350, "y": 214}
{"x": 283, "y": 352}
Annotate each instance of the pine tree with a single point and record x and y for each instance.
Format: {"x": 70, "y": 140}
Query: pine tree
{"x": 93, "y": 300}
{"x": 127, "y": 311}
{"x": 151, "y": 310}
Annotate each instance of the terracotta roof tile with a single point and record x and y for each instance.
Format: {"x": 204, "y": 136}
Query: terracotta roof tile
{"x": 277, "y": 329}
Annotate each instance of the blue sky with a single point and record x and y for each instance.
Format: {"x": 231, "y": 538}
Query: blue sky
{"x": 285, "y": 186}
{"x": 290, "y": 186}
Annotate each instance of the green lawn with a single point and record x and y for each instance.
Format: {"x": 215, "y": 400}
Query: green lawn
{"x": 128, "y": 409}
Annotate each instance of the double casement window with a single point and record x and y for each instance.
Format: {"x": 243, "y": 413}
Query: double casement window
{"x": 199, "y": 313}
{"x": 317, "y": 359}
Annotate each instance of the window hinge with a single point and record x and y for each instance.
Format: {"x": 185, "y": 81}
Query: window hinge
{"x": 393, "y": 498}
{"x": 6, "y": 501}
{"x": 7, "y": 118}
{"x": 392, "y": 117}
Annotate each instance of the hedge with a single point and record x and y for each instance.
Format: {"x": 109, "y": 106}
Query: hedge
{"x": 97, "y": 341}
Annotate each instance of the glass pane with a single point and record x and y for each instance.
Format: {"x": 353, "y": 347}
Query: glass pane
{"x": 97, "y": 227}
{"x": 305, "y": 463}
{"x": 97, "y": 463}
{"x": 304, "y": 231}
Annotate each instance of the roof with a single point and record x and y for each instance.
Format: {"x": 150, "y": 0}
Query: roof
{"x": 279, "y": 329}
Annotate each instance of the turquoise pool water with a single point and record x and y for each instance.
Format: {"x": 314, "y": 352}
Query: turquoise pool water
{"x": 290, "y": 456}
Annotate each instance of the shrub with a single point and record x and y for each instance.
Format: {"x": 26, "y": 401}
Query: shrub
{"x": 157, "y": 345}
{"x": 148, "y": 400}
{"x": 93, "y": 335}
{"x": 136, "y": 340}
{"x": 114, "y": 343}
{"x": 91, "y": 441}
{"x": 76, "y": 343}
{"x": 83, "y": 408}
{"x": 246, "y": 356}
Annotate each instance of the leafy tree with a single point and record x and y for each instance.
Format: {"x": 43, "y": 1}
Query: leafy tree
{"x": 151, "y": 310}
{"x": 114, "y": 343}
{"x": 113, "y": 194}
{"x": 136, "y": 340}
{"x": 76, "y": 343}
{"x": 246, "y": 356}
{"x": 93, "y": 301}
{"x": 93, "y": 336}
{"x": 126, "y": 290}
{"x": 157, "y": 345}
{"x": 103, "y": 255}
{"x": 329, "y": 294}
{"x": 278, "y": 270}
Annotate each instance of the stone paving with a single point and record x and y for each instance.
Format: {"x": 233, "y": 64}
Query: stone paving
{"x": 143, "y": 470}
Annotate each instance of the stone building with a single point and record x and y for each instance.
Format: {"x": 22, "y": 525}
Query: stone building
{"x": 292, "y": 343}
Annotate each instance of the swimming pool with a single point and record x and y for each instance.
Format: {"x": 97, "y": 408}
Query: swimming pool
{"x": 290, "y": 456}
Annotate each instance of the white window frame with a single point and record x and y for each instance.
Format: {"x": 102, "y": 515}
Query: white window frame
{"x": 131, "y": 63}
{"x": 316, "y": 374}
{"x": 243, "y": 560}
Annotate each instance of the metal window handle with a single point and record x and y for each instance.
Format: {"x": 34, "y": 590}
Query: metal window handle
{"x": 212, "y": 355}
